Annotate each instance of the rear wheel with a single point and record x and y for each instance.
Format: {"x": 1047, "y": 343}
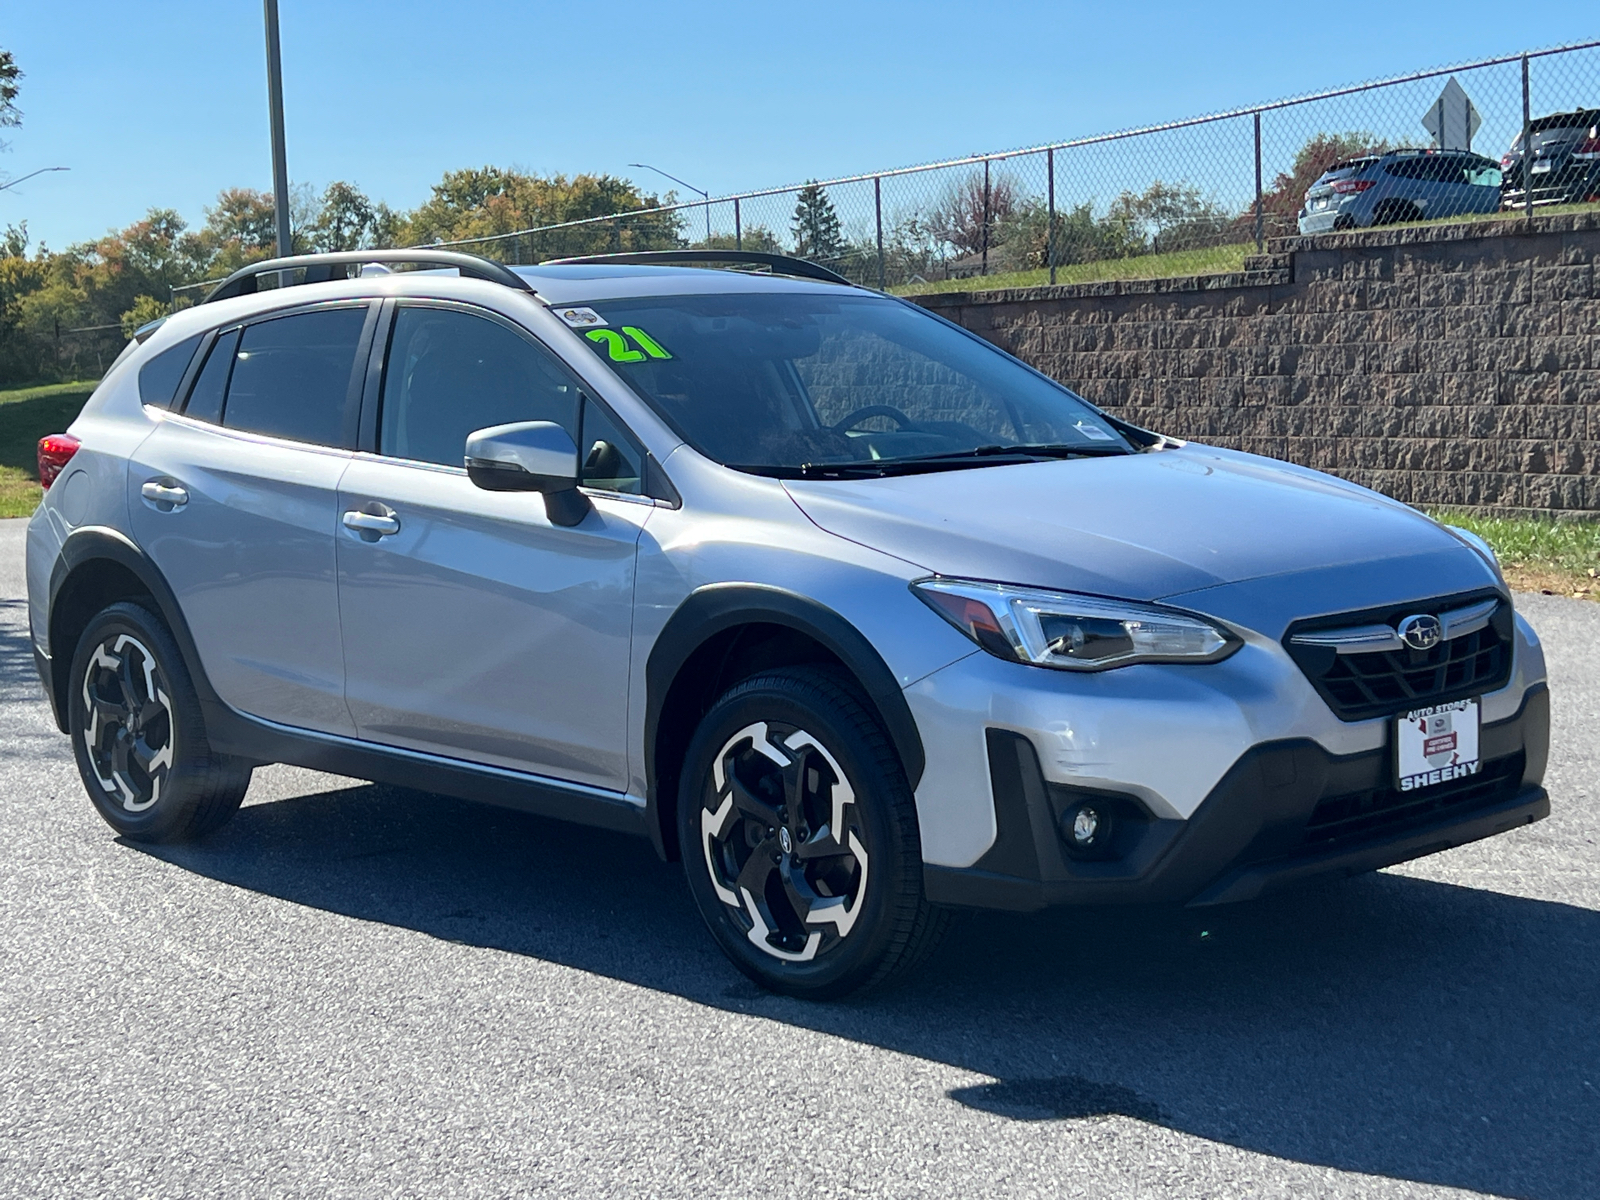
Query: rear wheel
{"x": 138, "y": 736}
{"x": 800, "y": 839}
{"x": 1396, "y": 212}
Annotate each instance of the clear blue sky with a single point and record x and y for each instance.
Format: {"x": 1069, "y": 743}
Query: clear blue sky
{"x": 165, "y": 103}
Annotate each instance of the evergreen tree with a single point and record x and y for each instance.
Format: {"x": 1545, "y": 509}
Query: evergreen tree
{"x": 816, "y": 225}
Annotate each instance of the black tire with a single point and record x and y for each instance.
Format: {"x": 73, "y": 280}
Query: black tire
{"x": 1396, "y": 212}
{"x": 1343, "y": 223}
{"x": 138, "y": 736}
{"x": 768, "y": 827}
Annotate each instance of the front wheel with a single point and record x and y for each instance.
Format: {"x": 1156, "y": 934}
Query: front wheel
{"x": 800, "y": 840}
{"x": 138, "y": 735}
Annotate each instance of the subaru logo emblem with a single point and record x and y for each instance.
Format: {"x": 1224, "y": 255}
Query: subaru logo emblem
{"x": 1420, "y": 631}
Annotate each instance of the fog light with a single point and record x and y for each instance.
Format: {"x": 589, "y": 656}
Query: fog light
{"x": 1086, "y": 828}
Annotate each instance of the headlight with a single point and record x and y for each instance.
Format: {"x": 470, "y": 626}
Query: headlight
{"x": 1071, "y": 632}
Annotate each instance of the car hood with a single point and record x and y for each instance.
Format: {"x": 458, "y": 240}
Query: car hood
{"x": 1141, "y": 527}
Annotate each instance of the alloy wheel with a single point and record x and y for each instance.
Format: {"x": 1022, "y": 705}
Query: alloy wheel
{"x": 783, "y": 841}
{"x": 128, "y": 730}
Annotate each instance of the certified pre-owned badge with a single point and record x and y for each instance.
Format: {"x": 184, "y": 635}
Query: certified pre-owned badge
{"x": 1420, "y": 631}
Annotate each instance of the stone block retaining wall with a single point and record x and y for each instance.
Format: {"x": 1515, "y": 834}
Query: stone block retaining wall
{"x": 1455, "y": 364}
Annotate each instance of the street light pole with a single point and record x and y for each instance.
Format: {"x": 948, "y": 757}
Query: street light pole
{"x": 690, "y": 186}
{"x": 10, "y": 183}
{"x": 280, "y": 160}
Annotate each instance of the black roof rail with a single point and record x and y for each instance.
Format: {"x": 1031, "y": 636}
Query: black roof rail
{"x": 319, "y": 268}
{"x": 781, "y": 264}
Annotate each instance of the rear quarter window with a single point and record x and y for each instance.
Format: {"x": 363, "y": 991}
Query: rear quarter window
{"x": 159, "y": 378}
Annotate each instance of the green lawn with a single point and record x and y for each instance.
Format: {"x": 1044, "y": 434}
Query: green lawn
{"x": 26, "y": 415}
{"x": 1209, "y": 261}
{"x": 1538, "y": 554}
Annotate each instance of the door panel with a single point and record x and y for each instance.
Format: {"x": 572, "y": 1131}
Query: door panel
{"x": 479, "y": 630}
{"x": 250, "y": 556}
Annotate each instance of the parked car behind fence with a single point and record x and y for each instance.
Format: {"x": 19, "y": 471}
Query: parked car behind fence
{"x": 1399, "y": 186}
{"x": 1566, "y": 160}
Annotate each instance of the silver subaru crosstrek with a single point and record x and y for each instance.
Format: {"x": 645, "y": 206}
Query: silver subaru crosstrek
{"x": 857, "y": 615}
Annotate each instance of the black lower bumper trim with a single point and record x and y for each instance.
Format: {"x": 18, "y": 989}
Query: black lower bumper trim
{"x": 1246, "y": 883}
{"x": 1284, "y": 813}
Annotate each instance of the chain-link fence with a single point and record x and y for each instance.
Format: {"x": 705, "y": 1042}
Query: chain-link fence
{"x": 1183, "y": 198}
{"x": 1187, "y": 197}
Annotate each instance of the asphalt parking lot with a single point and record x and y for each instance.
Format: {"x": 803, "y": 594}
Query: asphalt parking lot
{"x": 363, "y": 991}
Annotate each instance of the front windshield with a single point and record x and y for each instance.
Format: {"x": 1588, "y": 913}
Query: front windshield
{"x": 792, "y": 383}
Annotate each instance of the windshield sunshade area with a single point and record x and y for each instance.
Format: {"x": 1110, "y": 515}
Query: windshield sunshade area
{"x": 801, "y": 384}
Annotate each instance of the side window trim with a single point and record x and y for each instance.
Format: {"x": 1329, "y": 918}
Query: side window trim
{"x": 372, "y": 385}
{"x": 353, "y": 390}
{"x": 180, "y": 398}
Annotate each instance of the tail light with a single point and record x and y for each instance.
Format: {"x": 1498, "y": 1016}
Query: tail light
{"x": 1589, "y": 148}
{"x": 1346, "y": 187}
{"x": 55, "y": 452}
{"x": 1505, "y": 163}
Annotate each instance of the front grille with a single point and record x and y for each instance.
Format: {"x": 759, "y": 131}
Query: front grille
{"x": 1383, "y": 682}
{"x": 1340, "y": 820}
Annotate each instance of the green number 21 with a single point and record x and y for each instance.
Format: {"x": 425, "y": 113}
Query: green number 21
{"x": 619, "y": 349}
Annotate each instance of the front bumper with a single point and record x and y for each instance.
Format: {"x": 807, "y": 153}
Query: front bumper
{"x": 1286, "y": 812}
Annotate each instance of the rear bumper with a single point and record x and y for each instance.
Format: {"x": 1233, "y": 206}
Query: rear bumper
{"x": 1286, "y": 813}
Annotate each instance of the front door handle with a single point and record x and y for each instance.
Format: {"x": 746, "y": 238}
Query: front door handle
{"x": 164, "y": 496}
{"x": 370, "y": 526}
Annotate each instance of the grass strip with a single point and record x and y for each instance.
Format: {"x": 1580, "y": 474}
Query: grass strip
{"x": 1539, "y": 554}
{"x": 1211, "y": 260}
{"x": 26, "y": 415}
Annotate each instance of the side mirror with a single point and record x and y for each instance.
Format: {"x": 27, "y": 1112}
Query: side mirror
{"x": 530, "y": 456}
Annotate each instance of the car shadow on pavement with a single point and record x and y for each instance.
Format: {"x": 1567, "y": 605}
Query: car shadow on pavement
{"x": 1384, "y": 1025}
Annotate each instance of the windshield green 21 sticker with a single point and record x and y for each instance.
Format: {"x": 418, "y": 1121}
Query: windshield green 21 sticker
{"x": 619, "y": 349}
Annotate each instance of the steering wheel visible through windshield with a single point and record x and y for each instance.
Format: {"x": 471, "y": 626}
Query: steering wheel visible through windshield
{"x": 804, "y": 383}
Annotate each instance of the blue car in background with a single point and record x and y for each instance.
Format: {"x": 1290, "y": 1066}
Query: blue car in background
{"x": 1401, "y": 186}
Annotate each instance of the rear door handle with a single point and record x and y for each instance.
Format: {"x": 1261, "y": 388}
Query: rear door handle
{"x": 371, "y": 526}
{"x": 165, "y": 496}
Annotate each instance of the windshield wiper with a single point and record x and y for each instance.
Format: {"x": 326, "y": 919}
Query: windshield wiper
{"x": 980, "y": 456}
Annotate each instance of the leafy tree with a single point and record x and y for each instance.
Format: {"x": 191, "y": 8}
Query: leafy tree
{"x": 971, "y": 209}
{"x": 1171, "y": 217}
{"x": 345, "y": 220}
{"x": 817, "y": 234}
{"x": 240, "y": 228}
{"x": 484, "y": 201}
{"x": 751, "y": 237}
{"x": 10, "y": 114}
{"x": 1024, "y": 244}
{"x": 145, "y": 309}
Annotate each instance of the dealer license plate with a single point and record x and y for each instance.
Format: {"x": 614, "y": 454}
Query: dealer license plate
{"x": 1436, "y": 745}
{"x": 1542, "y": 168}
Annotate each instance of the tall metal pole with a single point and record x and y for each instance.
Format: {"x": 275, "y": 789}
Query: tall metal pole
{"x": 738, "y": 229}
{"x": 1527, "y": 145}
{"x": 280, "y": 159}
{"x": 985, "y": 267}
{"x": 1050, "y": 212}
{"x": 877, "y": 206}
{"x": 1258, "y": 184}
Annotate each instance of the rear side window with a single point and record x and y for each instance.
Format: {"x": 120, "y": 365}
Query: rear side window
{"x": 159, "y": 378}
{"x": 205, "y": 400}
{"x": 291, "y": 376}
{"x": 450, "y": 373}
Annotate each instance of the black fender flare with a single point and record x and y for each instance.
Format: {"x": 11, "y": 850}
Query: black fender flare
{"x": 710, "y": 610}
{"x": 98, "y": 543}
